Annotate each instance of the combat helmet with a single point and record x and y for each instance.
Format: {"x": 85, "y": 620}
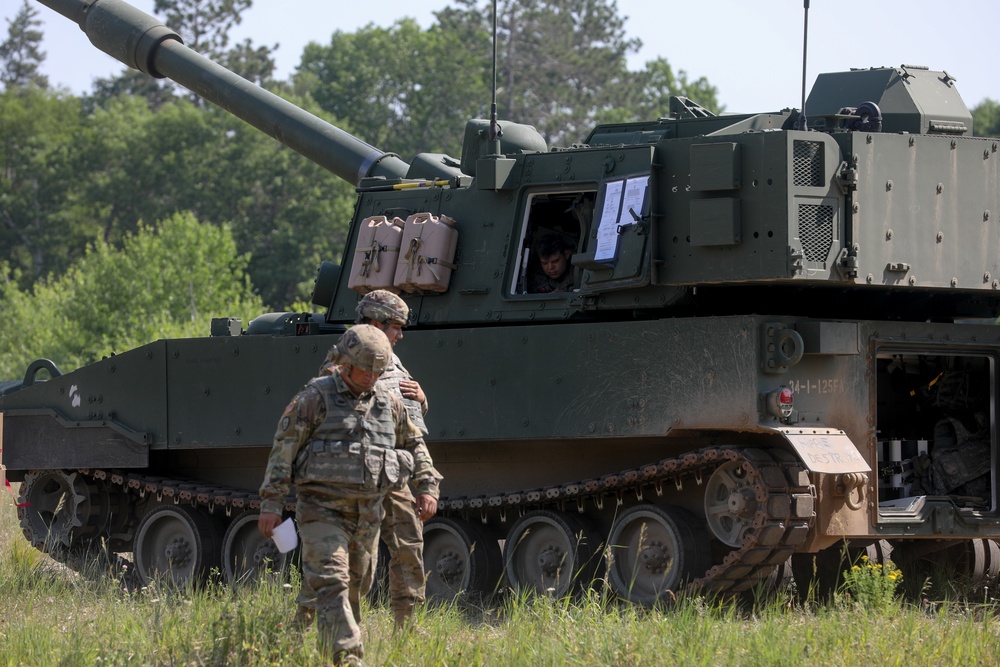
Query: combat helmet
{"x": 383, "y": 306}
{"x": 364, "y": 346}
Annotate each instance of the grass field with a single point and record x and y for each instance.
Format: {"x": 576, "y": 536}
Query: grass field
{"x": 50, "y": 616}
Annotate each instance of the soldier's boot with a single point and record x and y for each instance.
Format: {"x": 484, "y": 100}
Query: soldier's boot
{"x": 402, "y": 615}
{"x": 344, "y": 659}
{"x": 304, "y": 617}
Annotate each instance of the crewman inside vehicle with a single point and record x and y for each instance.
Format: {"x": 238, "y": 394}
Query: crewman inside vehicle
{"x": 556, "y": 274}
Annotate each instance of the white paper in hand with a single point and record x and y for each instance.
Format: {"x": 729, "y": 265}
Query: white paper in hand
{"x": 285, "y": 537}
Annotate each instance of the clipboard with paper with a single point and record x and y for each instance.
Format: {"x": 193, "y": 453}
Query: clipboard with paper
{"x": 620, "y": 202}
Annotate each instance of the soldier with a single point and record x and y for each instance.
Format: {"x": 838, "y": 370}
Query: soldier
{"x": 554, "y": 253}
{"x": 402, "y": 530}
{"x": 344, "y": 441}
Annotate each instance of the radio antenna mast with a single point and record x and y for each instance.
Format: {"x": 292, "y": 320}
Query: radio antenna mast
{"x": 803, "y": 123}
{"x": 494, "y": 126}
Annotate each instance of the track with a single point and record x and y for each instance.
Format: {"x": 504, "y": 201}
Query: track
{"x": 781, "y": 492}
{"x": 774, "y": 504}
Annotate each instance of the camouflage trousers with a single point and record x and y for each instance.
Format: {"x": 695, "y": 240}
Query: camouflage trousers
{"x": 339, "y": 537}
{"x": 402, "y": 532}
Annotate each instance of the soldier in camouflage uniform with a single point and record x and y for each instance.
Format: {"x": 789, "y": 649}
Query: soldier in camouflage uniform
{"x": 402, "y": 529}
{"x": 344, "y": 441}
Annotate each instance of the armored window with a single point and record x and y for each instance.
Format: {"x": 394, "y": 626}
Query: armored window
{"x": 554, "y": 223}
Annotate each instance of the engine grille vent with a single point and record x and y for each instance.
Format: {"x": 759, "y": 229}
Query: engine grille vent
{"x": 808, "y": 164}
{"x": 815, "y": 231}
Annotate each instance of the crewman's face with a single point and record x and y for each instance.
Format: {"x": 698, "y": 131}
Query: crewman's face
{"x": 358, "y": 379}
{"x": 392, "y": 330}
{"x": 555, "y": 265}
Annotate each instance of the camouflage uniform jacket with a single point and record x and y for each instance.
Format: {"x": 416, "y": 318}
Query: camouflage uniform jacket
{"x": 542, "y": 284}
{"x": 329, "y": 441}
{"x": 391, "y": 379}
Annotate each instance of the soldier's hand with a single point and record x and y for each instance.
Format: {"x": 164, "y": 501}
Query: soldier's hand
{"x": 427, "y": 506}
{"x": 411, "y": 389}
{"x": 267, "y": 522}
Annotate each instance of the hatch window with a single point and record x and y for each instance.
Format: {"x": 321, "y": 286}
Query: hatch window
{"x": 555, "y": 228}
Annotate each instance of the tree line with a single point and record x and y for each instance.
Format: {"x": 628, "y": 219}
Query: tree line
{"x": 85, "y": 179}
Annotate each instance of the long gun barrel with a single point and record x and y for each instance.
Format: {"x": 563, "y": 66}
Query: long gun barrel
{"x": 144, "y": 43}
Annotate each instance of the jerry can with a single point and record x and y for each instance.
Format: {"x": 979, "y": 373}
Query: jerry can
{"x": 376, "y": 254}
{"x": 428, "y": 249}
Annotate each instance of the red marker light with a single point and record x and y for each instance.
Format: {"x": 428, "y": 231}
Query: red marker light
{"x": 780, "y": 403}
{"x": 785, "y": 396}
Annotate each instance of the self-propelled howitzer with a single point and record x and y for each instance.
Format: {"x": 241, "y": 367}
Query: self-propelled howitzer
{"x": 766, "y": 348}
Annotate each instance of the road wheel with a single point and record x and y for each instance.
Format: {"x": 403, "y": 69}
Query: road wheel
{"x": 459, "y": 557}
{"x": 654, "y": 551}
{"x": 177, "y": 544}
{"x": 548, "y": 553}
{"x": 247, "y": 556}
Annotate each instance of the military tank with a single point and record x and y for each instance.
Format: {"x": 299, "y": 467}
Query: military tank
{"x": 779, "y": 339}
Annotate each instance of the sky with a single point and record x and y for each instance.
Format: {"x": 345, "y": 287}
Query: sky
{"x": 750, "y": 50}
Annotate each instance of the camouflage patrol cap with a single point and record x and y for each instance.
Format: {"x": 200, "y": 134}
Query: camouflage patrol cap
{"x": 383, "y": 306}
{"x": 366, "y": 347}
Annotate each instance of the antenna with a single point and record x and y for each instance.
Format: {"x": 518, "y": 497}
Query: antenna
{"x": 494, "y": 127}
{"x": 493, "y": 170}
{"x": 803, "y": 124}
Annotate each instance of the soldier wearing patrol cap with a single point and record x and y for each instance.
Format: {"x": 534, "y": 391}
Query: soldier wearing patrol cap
{"x": 402, "y": 530}
{"x": 345, "y": 441}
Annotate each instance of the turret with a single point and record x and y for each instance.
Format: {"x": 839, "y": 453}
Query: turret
{"x": 883, "y": 204}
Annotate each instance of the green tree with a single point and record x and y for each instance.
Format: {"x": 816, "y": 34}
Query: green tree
{"x": 651, "y": 90}
{"x": 20, "y": 54}
{"x": 286, "y": 211}
{"x": 567, "y": 65}
{"x": 563, "y": 66}
{"x": 141, "y": 163}
{"x": 253, "y": 63}
{"x": 986, "y": 119}
{"x": 166, "y": 282}
{"x": 130, "y": 82}
{"x": 400, "y": 88}
{"x": 145, "y": 164}
{"x": 69, "y": 177}
{"x": 204, "y": 25}
{"x": 561, "y": 63}
{"x": 41, "y": 229}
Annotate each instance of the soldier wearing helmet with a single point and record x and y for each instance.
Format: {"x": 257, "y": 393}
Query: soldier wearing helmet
{"x": 388, "y": 312}
{"x": 402, "y": 530}
{"x": 345, "y": 441}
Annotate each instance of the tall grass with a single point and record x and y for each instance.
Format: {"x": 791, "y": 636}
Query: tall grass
{"x": 50, "y": 616}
